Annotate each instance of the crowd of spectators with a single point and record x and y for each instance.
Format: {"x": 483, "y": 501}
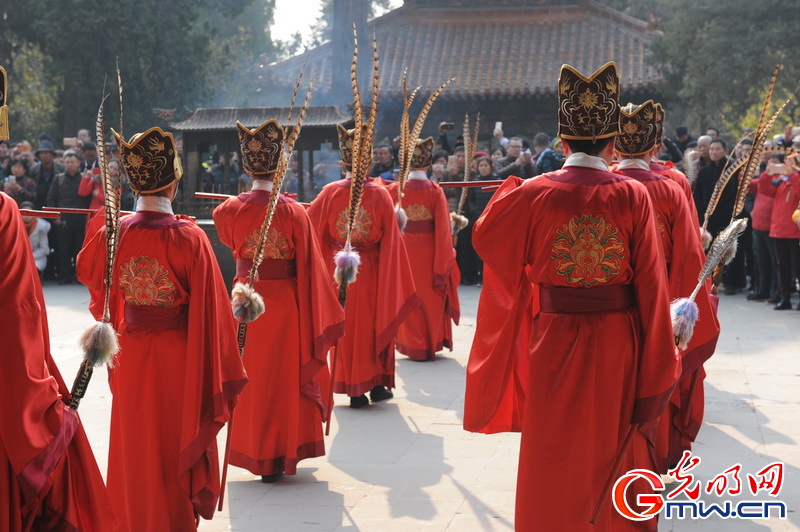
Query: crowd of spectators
{"x": 60, "y": 178}
{"x": 503, "y": 157}
{"x": 768, "y": 261}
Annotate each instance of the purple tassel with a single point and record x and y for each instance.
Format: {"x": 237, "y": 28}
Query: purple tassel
{"x": 684, "y": 314}
{"x": 402, "y": 217}
{"x": 347, "y": 262}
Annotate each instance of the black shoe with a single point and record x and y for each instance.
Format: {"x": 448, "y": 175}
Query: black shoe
{"x": 757, "y": 297}
{"x": 773, "y": 300}
{"x": 785, "y": 304}
{"x": 380, "y": 393}
{"x": 269, "y": 479}
{"x": 358, "y": 402}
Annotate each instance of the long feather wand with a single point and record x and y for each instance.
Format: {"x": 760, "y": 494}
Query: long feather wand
{"x": 99, "y": 341}
{"x": 457, "y": 219}
{"x": 684, "y": 311}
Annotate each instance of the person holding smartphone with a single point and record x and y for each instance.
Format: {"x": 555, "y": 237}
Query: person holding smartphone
{"x": 18, "y": 185}
{"x": 92, "y": 187}
{"x": 518, "y": 161}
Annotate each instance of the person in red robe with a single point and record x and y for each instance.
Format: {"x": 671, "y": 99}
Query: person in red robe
{"x": 279, "y": 417}
{"x": 178, "y": 373}
{"x": 602, "y": 360}
{"x": 383, "y": 294}
{"x": 667, "y": 168}
{"x": 50, "y": 478}
{"x": 683, "y": 253}
{"x": 429, "y": 243}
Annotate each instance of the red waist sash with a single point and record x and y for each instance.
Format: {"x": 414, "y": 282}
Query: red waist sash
{"x": 419, "y": 226}
{"x": 569, "y": 300}
{"x": 152, "y": 317}
{"x": 269, "y": 269}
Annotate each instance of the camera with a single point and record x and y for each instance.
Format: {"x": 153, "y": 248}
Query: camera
{"x": 448, "y": 125}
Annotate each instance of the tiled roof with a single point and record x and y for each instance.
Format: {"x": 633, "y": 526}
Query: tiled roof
{"x": 494, "y": 52}
{"x": 225, "y": 118}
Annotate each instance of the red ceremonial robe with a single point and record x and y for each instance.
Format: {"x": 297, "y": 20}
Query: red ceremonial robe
{"x": 683, "y": 252}
{"x": 383, "y": 294}
{"x": 279, "y": 417}
{"x": 178, "y": 373}
{"x": 50, "y": 480}
{"x": 429, "y": 244}
{"x": 602, "y": 355}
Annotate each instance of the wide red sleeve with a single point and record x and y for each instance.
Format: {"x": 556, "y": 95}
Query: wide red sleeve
{"x": 397, "y": 295}
{"x": 495, "y": 235}
{"x": 497, "y": 371}
{"x": 446, "y": 276}
{"x": 444, "y": 257}
{"x": 658, "y": 370}
{"x": 90, "y": 267}
{"x": 214, "y": 374}
{"x": 224, "y": 219}
{"x": 322, "y": 317}
{"x": 50, "y": 467}
{"x": 32, "y": 414}
{"x": 685, "y": 268}
{"x": 318, "y": 213}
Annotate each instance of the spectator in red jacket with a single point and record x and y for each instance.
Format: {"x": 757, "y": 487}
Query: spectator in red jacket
{"x": 785, "y": 188}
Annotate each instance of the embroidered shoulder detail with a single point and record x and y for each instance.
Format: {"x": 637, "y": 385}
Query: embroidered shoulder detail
{"x": 145, "y": 282}
{"x": 587, "y": 250}
{"x": 361, "y": 228}
{"x": 417, "y": 212}
{"x": 276, "y": 246}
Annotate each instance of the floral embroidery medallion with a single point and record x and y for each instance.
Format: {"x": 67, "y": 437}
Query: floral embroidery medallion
{"x": 275, "y": 247}
{"x": 587, "y": 250}
{"x": 417, "y": 212}
{"x": 145, "y": 282}
{"x": 361, "y": 228}
{"x": 662, "y": 229}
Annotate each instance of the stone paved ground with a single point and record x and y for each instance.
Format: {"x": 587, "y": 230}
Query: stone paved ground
{"x": 407, "y": 465}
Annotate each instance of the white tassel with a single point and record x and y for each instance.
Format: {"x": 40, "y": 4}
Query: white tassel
{"x": 706, "y": 238}
{"x": 247, "y": 304}
{"x": 684, "y": 314}
{"x": 730, "y": 253}
{"x": 402, "y": 217}
{"x": 99, "y": 344}
{"x": 347, "y": 262}
{"x": 458, "y": 222}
